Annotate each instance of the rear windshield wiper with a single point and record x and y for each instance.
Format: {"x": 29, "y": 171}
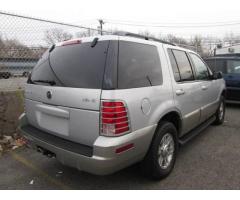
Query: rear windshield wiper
{"x": 94, "y": 42}
{"x": 44, "y": 81}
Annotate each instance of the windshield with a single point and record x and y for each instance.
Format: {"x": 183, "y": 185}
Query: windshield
{"x": 78, "y": 66}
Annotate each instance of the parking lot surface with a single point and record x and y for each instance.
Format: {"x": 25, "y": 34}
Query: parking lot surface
{"x": 209, "y": 161}
{"x": 12, "y": 84}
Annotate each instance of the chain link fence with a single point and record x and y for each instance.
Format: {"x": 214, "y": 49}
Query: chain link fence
{"x": 24, "y": 39}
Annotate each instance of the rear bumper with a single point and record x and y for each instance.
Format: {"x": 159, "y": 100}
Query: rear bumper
{"x": 103, "y": 160}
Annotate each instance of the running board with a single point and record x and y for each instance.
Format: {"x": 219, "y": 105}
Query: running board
{"x": 183, "y": 140}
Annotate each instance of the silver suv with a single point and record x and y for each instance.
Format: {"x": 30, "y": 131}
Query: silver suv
{"x": 100, "y": 104}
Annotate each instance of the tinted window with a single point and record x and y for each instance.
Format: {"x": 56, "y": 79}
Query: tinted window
{"x": 78, "y": 65}
{"x": 183, "y": 64}
{"x": 211, "y": 64}
{"x": 139, "y": 65}
{"x": 174, "y": 66}
{"x": 217, "y": 65}
{"x": 200, "y": 67}
{"x": 233, "y": 66}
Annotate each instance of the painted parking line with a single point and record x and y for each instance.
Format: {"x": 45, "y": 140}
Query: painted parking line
{"x": 43, "y": 174}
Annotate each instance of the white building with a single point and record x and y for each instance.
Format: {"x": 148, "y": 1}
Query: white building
{"x": 234, "y": 49}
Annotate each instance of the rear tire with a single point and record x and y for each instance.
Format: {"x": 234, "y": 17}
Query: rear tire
{"x": 6, "y": 75}
{"x": 25, "y": 74}
{"x": 160, "y": 159}
{"x": 220, "y": 114}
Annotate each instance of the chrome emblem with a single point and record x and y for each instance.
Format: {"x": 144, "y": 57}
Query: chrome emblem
{"x": 49, "y": 94}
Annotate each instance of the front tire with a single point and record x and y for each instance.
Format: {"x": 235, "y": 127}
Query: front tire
{"x": 220, "y": 114}
{"x": 160, "y": 159}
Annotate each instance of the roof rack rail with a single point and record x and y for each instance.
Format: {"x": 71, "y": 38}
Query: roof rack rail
{"x": 123, "y": 33}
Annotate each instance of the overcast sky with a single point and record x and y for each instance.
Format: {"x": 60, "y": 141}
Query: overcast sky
{"x": 167, "y": 12}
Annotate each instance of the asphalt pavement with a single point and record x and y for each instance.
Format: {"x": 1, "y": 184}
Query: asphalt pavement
{"x": 209, "y": 161}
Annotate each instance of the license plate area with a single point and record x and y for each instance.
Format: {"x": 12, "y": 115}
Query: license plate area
{"x": 53, "y": 123}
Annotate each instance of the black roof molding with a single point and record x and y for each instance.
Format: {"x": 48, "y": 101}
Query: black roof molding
{"x": 228, "y": 54}
{"x": 123, "y": 33}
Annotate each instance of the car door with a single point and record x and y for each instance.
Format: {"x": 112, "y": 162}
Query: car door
{"x": 185, "y": 89}
{"x": 208, "y": 87}
{"x": 232, "y": 78}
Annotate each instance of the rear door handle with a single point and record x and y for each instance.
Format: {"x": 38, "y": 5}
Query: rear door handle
{"x": 180, "y": 92}
{"x": 204, "y": 87}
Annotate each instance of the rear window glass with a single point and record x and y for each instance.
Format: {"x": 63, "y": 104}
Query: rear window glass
{"x": 138, "y": 65}
{"x": 78, "y": 65}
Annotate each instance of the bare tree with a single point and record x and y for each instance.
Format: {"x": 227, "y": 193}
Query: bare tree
{"x": 146, "y": 33}
{"x": 12, "y": 48}
{"x": 1, "y": 41}
{"x": 85, "y": 33}
{"x": 176, "y": 40}
{"x": 55, "y": 35}
{"x": 15, "y": 49}
{"x": 231, "y": 39}
{"x": 196, "y": 43}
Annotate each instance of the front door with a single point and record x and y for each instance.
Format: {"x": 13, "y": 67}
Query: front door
{"x": 208, "y": 88}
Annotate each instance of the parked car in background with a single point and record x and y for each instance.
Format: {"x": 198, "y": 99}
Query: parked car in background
{"x": 102, "y": 103}
{"x": 16, "y": 66}
{"x": 230, "y": 67}
{"x": 5, "y": 74}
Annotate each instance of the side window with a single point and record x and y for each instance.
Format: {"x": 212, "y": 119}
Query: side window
{"x": 184, "y": 65}
{"x": 174, "y": 66}
{"x": 200, "y": 67}
{"x": 138, "y": 65}
{"x": 217, "y": 65}
{"x": 221, "y": 65}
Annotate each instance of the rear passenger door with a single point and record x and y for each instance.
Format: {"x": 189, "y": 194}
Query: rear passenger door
{"x": 208, "y": 87}
{"x": 185, "y": 89}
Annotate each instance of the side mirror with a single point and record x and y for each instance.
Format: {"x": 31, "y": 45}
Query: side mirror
{"x": 217, "y": 75}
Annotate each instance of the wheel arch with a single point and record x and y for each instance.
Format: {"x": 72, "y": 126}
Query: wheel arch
{"x": 173, "y": 117}
{"x": 224, "y": 93}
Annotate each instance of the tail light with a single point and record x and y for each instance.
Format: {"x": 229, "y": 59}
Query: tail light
{"x": 114, "y": 118}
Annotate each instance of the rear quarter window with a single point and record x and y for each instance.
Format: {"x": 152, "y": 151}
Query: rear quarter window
{"x": 184, "y": 66}
{"x": 138, "y": 65}
{"x": 175, "y": 69}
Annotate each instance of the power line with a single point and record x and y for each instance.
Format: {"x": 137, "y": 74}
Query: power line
{"x": 169, "y": 23}
{"x": 43, "y": 20}
{"x": 83, "y": 21}
{"x": 174, "y": 26}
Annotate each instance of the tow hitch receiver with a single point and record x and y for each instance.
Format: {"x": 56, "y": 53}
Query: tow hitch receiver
{"x": 46, "y": 152}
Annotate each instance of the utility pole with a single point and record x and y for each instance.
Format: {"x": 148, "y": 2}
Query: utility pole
{"x": 101, "y": 22}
